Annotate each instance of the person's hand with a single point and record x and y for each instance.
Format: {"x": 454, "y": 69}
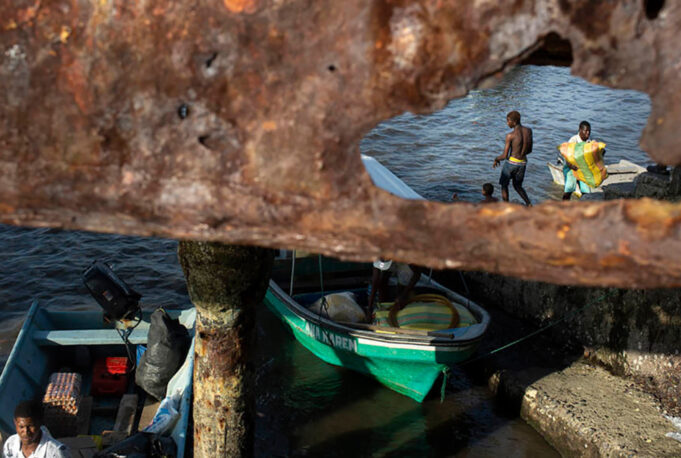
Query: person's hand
{"x": 455, "y": 196}
{"x": 496, "y": 163}
{"x": 573, "y": 167}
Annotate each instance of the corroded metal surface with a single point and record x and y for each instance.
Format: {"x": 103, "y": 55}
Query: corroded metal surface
{"x": 226, "y": 283}
{"x": 239, "y": 121}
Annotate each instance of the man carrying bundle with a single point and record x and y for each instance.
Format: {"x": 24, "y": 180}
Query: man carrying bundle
{"x": 571, "y": 181}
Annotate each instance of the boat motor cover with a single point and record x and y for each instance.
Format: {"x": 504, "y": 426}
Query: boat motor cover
{"x": 118, "y": 300}
{"x": 167, "y": 346}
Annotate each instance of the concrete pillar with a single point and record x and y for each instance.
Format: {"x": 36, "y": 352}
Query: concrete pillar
{"x": 225, "y": 283}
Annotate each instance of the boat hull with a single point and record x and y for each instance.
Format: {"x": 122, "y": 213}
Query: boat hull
{"x": 408, "y": 368}
{"x": 49, "y": 339}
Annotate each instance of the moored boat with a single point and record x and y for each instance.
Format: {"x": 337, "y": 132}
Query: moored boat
{"x": 61, "y": 341}
{"x": 407, "y": 359}
{"x": 621, "y": 171}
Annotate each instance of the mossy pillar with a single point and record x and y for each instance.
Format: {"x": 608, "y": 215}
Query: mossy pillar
{"x": 225, "y": 283}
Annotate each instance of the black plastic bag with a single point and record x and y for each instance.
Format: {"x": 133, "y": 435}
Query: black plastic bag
{"x": 167, "y": 346}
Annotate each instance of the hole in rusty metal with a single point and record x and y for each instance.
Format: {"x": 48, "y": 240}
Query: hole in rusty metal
{"x": 183, "y": 111}
{"x": 653, "y": 8}
{"x": 452, "y": 151}
{"x": 332, "y": 68}
{"x": 210, "y": 60}
{"x": 202, "y": 140}
{"x": 553, "y": 50}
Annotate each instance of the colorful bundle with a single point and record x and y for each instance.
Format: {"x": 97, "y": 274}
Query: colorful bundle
{"x": 588, "y": 157}
{"x": 426, "y": 312}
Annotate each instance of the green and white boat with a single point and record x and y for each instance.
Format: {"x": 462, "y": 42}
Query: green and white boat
{"x": 408, "y": 361}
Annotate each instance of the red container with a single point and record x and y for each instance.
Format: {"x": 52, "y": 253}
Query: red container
{"x": 110, "y": 376}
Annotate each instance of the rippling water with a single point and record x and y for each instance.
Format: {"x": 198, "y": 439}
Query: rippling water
{"x": 453, "y": 150}
{"x": 308, "y": 408}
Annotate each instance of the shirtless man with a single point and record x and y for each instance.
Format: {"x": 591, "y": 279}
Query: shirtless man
{"x": 518, "y": 146}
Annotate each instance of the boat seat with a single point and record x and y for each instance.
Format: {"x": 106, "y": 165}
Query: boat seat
{"x": 88, "y": 337}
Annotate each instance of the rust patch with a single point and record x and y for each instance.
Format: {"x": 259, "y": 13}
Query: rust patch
{"x": 241, "y": 6}
{"x": 593, "y": 17}
{"x": 223, "y": 348}
{"x": 654, "y": 219}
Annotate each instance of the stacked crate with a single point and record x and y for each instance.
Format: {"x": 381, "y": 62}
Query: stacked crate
{"x": 61, "y": 403}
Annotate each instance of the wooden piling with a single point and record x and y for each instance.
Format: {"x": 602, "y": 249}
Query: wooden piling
{"x": 225, "y": 283}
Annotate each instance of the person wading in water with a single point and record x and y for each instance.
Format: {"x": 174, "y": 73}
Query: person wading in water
{"x": 518, "y": 146}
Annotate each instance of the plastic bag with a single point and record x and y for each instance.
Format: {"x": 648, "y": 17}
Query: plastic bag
{"x": 165, "y": 417}
{"x": 167, "y": 345}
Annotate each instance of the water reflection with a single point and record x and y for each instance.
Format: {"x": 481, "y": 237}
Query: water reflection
{"x": 310, "y": 408}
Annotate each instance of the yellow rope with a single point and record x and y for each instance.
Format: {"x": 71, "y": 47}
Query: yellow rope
{"x": 436, "y": 298}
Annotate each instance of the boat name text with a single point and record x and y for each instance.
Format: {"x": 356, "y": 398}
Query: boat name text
{"x": 330, "y": 338}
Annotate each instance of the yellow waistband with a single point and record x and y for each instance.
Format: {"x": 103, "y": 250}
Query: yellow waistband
{"x": 517, "y": 161}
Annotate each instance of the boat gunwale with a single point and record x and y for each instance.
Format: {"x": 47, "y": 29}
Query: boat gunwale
{"x": 378, "y": 337}
{"x": 180, "y": 430}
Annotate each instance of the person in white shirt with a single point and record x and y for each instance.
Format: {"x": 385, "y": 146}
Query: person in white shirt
{"x": 32, "y": 439}
{"x": 571, "y": 182}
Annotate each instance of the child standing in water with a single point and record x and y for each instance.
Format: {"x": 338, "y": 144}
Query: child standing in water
{"x": 487, "y": 191}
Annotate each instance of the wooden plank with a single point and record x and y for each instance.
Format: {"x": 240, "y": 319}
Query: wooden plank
{"x": 88, "y": 337}
{"x": 126, "y": 414}
{"x": 84, "y": 413}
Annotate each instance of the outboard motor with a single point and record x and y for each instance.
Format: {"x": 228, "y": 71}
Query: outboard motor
{"x": 118, "y": 300}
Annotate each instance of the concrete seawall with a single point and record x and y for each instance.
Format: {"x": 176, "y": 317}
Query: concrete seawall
{"x": 601, "y": 381}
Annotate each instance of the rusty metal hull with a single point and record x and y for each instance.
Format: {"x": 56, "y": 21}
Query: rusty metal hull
{"x": 239, "y": 121}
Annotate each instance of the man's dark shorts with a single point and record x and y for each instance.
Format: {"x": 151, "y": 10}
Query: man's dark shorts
{"x": 511, "y": 171}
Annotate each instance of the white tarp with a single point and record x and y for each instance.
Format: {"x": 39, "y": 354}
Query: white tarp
{"x": 385, "y": 179}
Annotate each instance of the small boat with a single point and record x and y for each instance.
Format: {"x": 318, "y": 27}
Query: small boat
{"x": 52, "y": 340}
{"x": 405, "y": 359}
{"x": 622, "y": 171}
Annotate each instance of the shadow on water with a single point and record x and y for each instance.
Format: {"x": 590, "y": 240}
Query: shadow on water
{"x": 309, "y": 408}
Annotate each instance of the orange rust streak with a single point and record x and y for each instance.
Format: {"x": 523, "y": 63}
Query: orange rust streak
{"x": 655, "y": 218}
{"x": 77, "y": 82}
{"x": 28, "y": 14}
{"x": 240, "y": 6}
{"x": 613, "y": 260}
